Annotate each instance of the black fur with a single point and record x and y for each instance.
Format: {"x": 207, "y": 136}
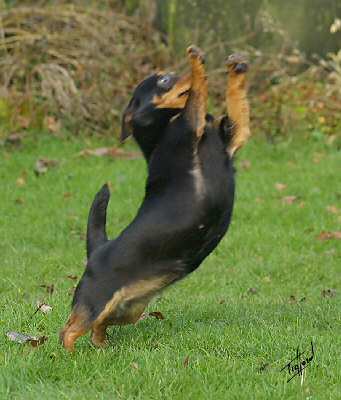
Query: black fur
{"x": 177, "y": 225}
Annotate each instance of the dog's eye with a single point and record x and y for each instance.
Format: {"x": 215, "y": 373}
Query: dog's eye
{"x": 165, "y": 82}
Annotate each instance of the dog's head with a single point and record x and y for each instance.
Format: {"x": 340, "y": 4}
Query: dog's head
{"x": 154, "y": 102}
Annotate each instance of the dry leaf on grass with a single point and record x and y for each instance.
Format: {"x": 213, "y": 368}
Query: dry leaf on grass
{"x": 135, "y": 365}
{"x": 71, "y": 291}
{"x": 156, "y": 314}
{"x": 43, "y": 164}
{"x": 245, "y": 164}
{"x": 324, "y": 235}
{"x": 333, "y": 209}
{"x": 20, "y": 181}
{"x": 14, "y": 139}
{"x": 52, "y": 124}
{"x": 328, "y": 293}
{"x": 22, "y": 338}
{"x": 186, "y": 362}
{"x": 280, "y": 186}
{"x": 289, "y": 199}
{"x": 72, "y": 277}
{"x": 49, "y": 288}
{"x": 42, "y": 307}
{"x": 114, "y": 152}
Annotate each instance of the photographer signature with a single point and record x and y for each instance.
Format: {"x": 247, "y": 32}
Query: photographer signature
{"x": 298, "y": 364}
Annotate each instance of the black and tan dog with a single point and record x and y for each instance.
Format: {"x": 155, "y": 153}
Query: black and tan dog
{"x": 187, "y": 205}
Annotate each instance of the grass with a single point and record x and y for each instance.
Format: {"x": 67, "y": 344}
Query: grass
{"x": 235, "y": 340}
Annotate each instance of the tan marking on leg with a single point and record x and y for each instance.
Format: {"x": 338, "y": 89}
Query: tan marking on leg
{"x": 76, "y": 326}
{"x": 196, "y": 105}
{"x": 177, "y": 96}
{"x": 99, "y": 336}
{"x": 237, "y": 104}
{"x": 127, "y": 304}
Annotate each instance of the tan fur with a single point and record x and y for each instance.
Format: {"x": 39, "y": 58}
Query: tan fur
{"x": 196, "y": 105}
{"x": 237, "y": 109}
{"x": 176, "y": 97}
{"x": 76, "y": 326}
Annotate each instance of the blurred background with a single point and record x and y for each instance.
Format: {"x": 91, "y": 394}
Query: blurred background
{"x": 71, "y": 65}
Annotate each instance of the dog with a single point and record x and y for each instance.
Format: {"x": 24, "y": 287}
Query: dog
{"x": 188, "y": 200}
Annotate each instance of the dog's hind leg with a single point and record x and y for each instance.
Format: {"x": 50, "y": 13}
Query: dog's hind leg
{"x": 196, "y": 105}
{"x": 236, "y": 102}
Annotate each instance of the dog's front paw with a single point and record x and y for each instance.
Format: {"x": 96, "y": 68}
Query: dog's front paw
{"x": 237, "y": 63}
{"x": 195, "y": 53}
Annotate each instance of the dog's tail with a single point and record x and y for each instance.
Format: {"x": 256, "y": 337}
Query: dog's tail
{"x": 96, "y": 234}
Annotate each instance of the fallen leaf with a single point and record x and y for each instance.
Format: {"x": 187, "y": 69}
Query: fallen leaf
{"x": 24, "y": 122}
{"x": 49, "y": 288}
{"x": 156, "y": 314}
{"x": 289, "y": 199}
{"x": 280, "y": 186}
{"x": 317, "y": 157}
{"x": 14, "y": 139}
{"x": 20, "y": 182}
{"x": 135, "y": 365}
{"x": 301, "y": 204}
{"x": 67, "y": 195}
{"x": 245, "y": 164}
{"x": 44, "y": 308}
{"x": 328, "y": 293}
{"x": 222, "y": 301}
{"x": 186, "y": 362}
{"x": 330, "y": 139}
{"x": 114, "y": 152}
{"x": 22, "y": 338}
{"x": 72, "y": 277}
{"x": 292, "y": 299}
{"x": 324, "y": 235}
{"x": 333, "y": 209}
{"x": 52, "y": 124}
{"x": 263, "y": 367}
{"x": 43, "y": 164}
{"x": 71, "y": 291}
{"x": 19, "y": 201}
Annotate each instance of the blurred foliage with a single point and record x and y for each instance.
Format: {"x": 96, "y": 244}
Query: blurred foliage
{"x": 78, "y": 61}
{"x": 74, "y": 62}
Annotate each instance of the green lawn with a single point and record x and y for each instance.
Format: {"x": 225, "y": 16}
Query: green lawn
{"x": 219, "y": 339}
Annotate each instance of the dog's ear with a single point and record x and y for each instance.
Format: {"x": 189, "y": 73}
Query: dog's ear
{"x": 126, "y": 124}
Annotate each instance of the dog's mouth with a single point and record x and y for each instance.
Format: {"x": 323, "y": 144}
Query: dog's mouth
{"x": 175, "y": 97}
